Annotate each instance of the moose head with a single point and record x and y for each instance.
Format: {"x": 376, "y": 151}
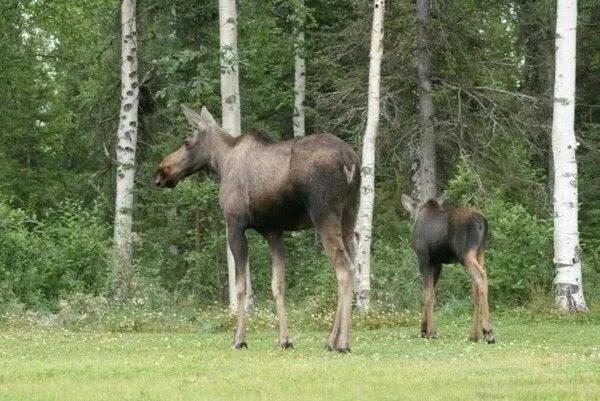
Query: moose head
{"x": 196, "y": 153}
{"x": 414, "y": 207}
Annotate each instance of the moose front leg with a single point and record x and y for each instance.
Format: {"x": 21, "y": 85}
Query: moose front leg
{"x": 277, "y": 251}
{"x": 239, "y": 248}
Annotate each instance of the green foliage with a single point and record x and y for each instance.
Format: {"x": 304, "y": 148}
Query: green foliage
{"x": 42, "y": 259}
{"x": 519, "y": 257}
{"x": 519, "y": 250}
{"x": 491, "y": 87}
{"x": 168, "y": 253}
{"x": 396, "y": 283}
{"x": 589, "y": 214}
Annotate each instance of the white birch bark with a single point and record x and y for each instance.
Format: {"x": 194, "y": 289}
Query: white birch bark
{"x": 567, "y": 279}
{"x": 425, "y": 176}
{"x": 367, "y": 189}
{"x": 125, "y": 152}
{"x": 231, "y": 115}
{"x": 299, "y": 73}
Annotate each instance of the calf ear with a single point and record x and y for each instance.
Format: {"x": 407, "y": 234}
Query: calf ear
{"x": 207, "y": 117}
{"x": 192, "y": 116}
{"x": 442, "y": 199}
{"x": 408, "y": 203}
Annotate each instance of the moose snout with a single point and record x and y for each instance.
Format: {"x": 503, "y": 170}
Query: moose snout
{"x": 161, "y": 176}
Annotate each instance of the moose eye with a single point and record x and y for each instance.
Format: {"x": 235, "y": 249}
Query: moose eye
{"x": 187, "y": 143}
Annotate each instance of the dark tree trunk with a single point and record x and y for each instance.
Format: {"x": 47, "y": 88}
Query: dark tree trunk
{"x": 425, "y": 179}
{"x": 536, "y": 29}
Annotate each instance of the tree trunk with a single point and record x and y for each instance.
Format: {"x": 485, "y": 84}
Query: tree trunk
{"x": 126, "y": 146}
{"x": 230, "y": 103}
{"x": 299, "y": 72}
{"x": 568, "y": 286}
{"x": 536, "y": 33}
{"x": 425, "y": 175}
{"x": 367, "y": 190}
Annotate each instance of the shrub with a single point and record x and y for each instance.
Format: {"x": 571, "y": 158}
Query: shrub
{"x": 519, "y": 249}
{"x": 42, "y": 259}
{"x": 519, "y": 257}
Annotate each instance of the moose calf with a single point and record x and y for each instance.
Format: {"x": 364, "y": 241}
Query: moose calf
{"x": 447, "y": 236}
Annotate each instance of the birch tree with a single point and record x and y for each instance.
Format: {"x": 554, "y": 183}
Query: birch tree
{"x": 231, "y": 116}
{"x": 126, "y": 146}
{"x": 299, "y": 69}
{"x": 367, "y": 189}
{"x": 425, "y": 174}
{"x": 568, "y": 286}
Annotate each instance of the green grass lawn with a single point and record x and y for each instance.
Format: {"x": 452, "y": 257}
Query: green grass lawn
{"x": 534, "y": 359}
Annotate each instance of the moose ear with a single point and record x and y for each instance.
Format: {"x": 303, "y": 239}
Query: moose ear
{"x": 442, "y": 198}
{"x": 408, "y": 203}
{"x": 192, "y": 116}
{"x": 207, "y": 117}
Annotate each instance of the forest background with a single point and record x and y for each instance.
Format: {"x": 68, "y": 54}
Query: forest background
{"x": 492, "y": 69}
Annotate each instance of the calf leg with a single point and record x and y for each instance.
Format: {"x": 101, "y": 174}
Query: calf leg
{"x": 479, "y": 279}
{"x": 476, "y": 325}
{"x": 331, "y": 236}
{"x": 277, "y": 251}
{"x": 239, "y": 248}
{"x": 430, "y": 275}
{"x": 487, "y": 330}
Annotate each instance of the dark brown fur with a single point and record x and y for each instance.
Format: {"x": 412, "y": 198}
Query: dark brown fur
{"x": 448, "y": 236}
{"x": 273, "y": 187}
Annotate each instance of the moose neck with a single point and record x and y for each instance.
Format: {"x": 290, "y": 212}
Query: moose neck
{"x": 221, "y": 145}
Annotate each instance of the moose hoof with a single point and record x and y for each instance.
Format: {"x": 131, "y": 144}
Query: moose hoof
{"x": 286, "y": 344}
{"x": 340, "y": 350}
{"x": 240, "y": 345}
{"x": 489, "y": 337}
{"x": 474, "y": 338}
{"x": 432, "y": 336}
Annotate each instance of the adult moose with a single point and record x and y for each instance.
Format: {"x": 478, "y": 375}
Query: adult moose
{"x": 447, "y": 236}
{"x": 274, "y": 187}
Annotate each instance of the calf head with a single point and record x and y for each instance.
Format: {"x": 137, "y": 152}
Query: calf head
{"x": 194, "y": 155}
{"x": 415, "y": 208}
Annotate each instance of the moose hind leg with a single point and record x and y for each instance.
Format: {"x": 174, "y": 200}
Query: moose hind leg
{"x": 488, "y": 332}
{"x": 431, "y": 275}
{"x": 427, "y": 282}
{"x": 479, "y": 278}
{"x": 239, "y": 248}
{"x": 278, "y": 286}
{"x": 476, "y": 325}
{"x": 331, "y": 236}
{"x": 361, "y": 286}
